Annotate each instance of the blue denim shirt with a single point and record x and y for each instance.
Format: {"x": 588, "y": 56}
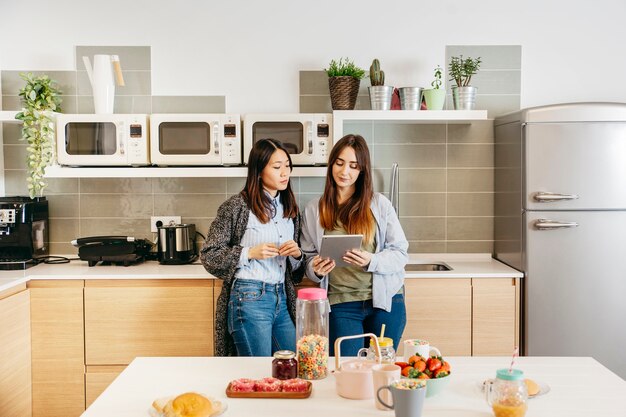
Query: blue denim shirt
{"x": 278, "y": 230}
{"x": 387, "y": 264}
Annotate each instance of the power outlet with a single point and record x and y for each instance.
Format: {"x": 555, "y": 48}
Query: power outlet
{"x": 164, "y": 219}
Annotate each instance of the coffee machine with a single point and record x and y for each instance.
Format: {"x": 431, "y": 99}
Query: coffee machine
{"x": 23, "y": 231}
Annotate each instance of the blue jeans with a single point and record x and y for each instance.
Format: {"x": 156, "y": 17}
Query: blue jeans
{"x": 258, "y": 319}
{"x": 357, "y": 317}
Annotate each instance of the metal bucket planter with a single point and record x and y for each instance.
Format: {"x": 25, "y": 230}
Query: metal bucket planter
{"x": 343, "y": 92}
{"x": 410, "y": 98}
{"x": 435, "y": 98}
{"x": 464, "y": 98}
{"x": 380, "y": 97}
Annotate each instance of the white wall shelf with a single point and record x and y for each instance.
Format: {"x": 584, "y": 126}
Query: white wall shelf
{"x": 58, "y": 171}
{"x": 404, "y": 117}
{"x": 8, "y": 116}
{"x": 412, "y": 116}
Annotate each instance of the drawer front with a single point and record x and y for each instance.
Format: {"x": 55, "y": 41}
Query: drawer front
{"x": 167, "y": 319}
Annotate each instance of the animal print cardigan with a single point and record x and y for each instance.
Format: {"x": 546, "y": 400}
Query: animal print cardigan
{"x": 220, "y": 255}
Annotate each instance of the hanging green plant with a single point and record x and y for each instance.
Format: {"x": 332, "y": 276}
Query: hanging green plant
{"x": 40, "y": 97}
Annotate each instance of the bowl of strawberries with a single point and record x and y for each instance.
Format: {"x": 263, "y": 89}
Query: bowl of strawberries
{"x": 435, "y": 370}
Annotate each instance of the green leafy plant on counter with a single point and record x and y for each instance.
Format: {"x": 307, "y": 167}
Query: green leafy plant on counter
{"x": 461, "y": 69}
{"x": 344, "y": 68}
{"x": 377, "y": 76}
{"x": 436, "y": 84}
{"x": 40, "y": 97}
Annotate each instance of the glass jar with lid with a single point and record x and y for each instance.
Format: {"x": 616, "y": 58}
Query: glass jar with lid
{"x": 507, "y": 394}
{"x": 312, "y": 310}
{"x": 284, "y": 365}
{"x": 387, "y": 352}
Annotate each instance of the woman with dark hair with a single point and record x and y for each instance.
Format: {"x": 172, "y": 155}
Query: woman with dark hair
{"x": 252, "y": 246}
{"x": 369, "y": 293}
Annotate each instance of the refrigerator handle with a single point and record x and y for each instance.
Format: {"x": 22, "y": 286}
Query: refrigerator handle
{"x": 545, "y": 224}
{"x": 543, "y": 197}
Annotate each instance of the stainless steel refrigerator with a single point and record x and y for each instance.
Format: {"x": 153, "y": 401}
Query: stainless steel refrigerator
{"x": 560, "y": 217}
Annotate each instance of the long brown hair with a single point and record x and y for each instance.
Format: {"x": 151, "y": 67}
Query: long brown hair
{"x": 354, "y": 214}
{"x": 257, "y": 200}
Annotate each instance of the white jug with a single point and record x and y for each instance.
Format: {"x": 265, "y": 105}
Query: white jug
{"x": 101, "y": 79}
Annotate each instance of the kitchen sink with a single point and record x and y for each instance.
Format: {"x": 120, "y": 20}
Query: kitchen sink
{"x": 427, "y": 267}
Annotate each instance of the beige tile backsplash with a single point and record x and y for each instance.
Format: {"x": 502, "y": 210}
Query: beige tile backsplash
{"x": 446, "y": 190}
{"x": 446, "y": 170}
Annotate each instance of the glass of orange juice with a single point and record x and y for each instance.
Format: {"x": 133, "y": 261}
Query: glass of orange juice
{"x": 507, "y": 394}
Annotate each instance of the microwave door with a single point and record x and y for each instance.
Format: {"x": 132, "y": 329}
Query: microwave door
{"x": 189, "y": 143}
{"x": 290, "y": 134}
{"x": 95, "y": 142}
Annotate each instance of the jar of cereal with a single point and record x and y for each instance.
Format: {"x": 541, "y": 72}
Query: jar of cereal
{"x": 312, "y": 310}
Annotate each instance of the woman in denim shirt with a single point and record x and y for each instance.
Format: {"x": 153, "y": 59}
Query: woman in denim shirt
{"x": 252, "y": 246}
{"x": 369, "y": 293}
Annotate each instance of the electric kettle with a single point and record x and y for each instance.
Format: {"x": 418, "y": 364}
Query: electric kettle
{"x": 176, "y": 244}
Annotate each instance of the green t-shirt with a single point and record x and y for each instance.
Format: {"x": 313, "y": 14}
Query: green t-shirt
{"x": 350, "y": 283}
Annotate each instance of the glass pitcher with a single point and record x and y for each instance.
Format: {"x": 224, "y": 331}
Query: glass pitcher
{"x": 507, "y": 394}
{"x": 387, "y": 352}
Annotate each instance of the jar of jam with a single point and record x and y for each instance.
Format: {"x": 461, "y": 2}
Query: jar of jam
{"x": 284, "y": 365}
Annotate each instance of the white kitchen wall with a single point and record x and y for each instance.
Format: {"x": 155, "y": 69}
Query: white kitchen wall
{"x": 252, "y": 52}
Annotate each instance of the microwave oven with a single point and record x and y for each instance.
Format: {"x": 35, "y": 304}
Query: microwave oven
{"x": 195, "y": 139}
{"x": 306, "y": 136}
{"x": 102, "y": 139}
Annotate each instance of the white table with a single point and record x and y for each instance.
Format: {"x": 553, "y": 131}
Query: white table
{"x": 579, "y": 387}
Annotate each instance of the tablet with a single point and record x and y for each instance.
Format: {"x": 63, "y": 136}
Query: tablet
{"x": 335, "y": 246}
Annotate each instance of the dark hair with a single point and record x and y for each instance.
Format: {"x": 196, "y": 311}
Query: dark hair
{"x": 355, "y": 214}
{"x": 259, "y": 202}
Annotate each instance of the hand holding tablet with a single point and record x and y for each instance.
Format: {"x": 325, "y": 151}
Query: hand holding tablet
{"x": 336, "y": 246}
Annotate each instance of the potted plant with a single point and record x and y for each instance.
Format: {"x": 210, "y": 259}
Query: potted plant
{"x": 435, "y": 97}
{"x": 344, "y": 79}
{"x": 380, "y": 94}
{"x": 40, "y": 97}
{"x": 461, "y": 70}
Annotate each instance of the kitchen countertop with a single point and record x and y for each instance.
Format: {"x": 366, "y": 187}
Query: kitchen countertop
{"x": 463, "y": 266}
{"x": 579, "y": 387}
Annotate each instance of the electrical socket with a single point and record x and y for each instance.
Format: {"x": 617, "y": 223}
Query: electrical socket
{"x": 165, "y": 219}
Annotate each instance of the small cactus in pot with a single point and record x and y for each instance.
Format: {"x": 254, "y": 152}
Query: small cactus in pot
{"x": 377, "y": 76}
{"x": 380, "y": 94}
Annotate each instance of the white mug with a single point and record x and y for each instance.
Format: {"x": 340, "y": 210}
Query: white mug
{"x": 419, "y": 347}
{"x": 383, "y": 375}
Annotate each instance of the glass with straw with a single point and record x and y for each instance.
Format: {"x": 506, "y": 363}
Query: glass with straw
{"x": 507, "y": 395}
{"x": 387, "y": 352}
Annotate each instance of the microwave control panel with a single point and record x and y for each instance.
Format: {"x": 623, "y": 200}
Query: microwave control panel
{"x": 137, "y": 145}
{"x": 231, "y": 141}
{"x": 323, "y": 139}
{"x": 323, "y": 145}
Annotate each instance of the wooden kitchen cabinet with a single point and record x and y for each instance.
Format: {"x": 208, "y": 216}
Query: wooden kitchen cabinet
{"x": 98, "y": 378}
{"x": 129, "y": 318}
{"x": 439, "y": 310}
{"x": 495, "y": 311}
{"x": 58, "y": 365}
{"x": 15, "y": 351}
{"x": 463, "y": 316}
